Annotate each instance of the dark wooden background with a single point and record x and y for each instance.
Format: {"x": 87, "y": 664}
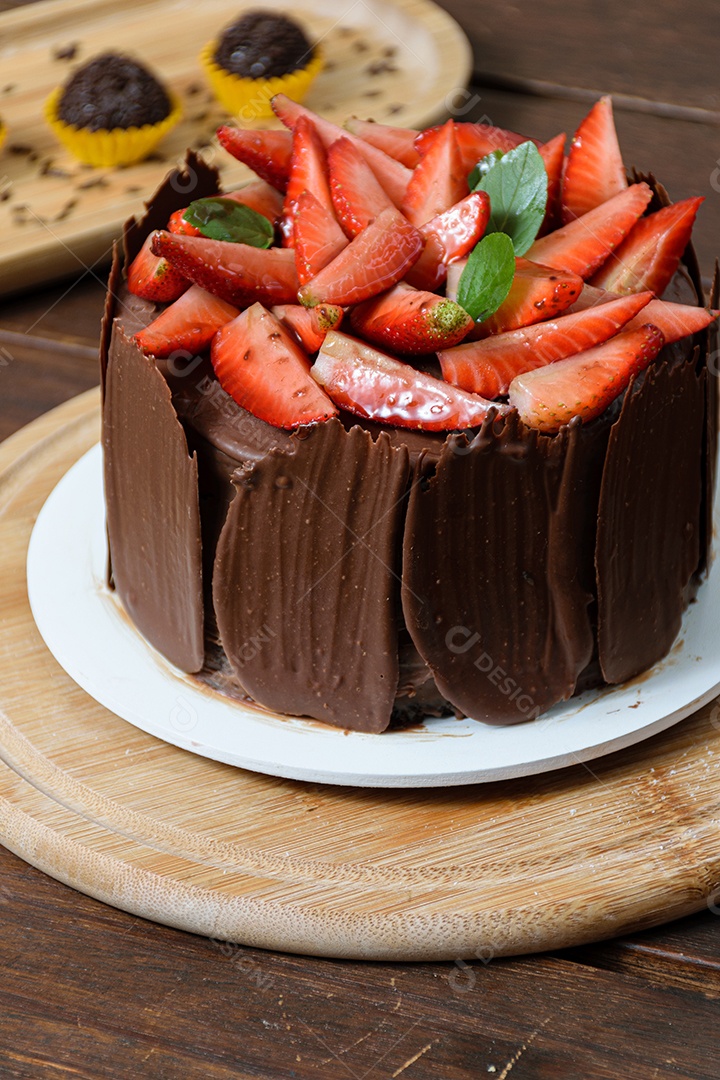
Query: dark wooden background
{"x": 87, "y": 992}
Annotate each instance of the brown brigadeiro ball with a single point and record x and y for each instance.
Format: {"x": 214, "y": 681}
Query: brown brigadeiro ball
{"x": 113, "y": 91}
{"x": 261, "y": 45}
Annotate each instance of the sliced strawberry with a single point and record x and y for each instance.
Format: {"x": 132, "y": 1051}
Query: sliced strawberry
{"x": 590, "y": 297}
{"x": 448, "y": 237}
{"x": 260, "y": 197}
{"x": 396, "y": 142}
{"x": 431, "y": 269}
{"x": 317, "y": 236}
{"x": 585, "y": 244}
{"x": 237, "y": 273}
{"x": 357, "y": 196}
{"x": 309, "y": 325}
{"x": 650, "y": 255}
{"x": 154, "y": 278}
{"x": 585, "y": 384}
{"x": 267, "y": 153}
{"x": 675, "y": 321}
{"x": 454, "y": 273}
{"x": 594, "y": 172}
{"x": 308, "y": 164}
{"x": 488, "y": 367}
{"x": 393, "y": 176}
{"x": 371, "y": 263}
{"x": 459, "y": 228}
{"x": 438, "y": 182}
{"x": 474, "y": 141}
{"x": 178, "y": 224}
{"x": 189, "y": 324}
{"x": 537, "y": 293}
{"x": 259, "y": 364}
{"x": 553, "y": 155}
{"x": 372, "y": 384}
{"x": 410, "y": 321}
{"x": 308, "y": 172}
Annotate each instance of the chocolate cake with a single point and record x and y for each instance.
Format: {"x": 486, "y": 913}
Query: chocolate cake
{"x": 365, "y": 575}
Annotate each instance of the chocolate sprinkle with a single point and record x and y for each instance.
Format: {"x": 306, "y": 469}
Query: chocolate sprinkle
{"x": 95, "y": 182}
{"x": 67, "y": 210}
{"x": 49, "y": 168}
{"x": 381, "y": 67}
{"x": 67, "y": 52}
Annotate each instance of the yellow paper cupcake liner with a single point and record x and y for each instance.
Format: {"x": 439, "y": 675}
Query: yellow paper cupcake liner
{"x": 3, "y": 133}
{"x": 249, "y": 99}
{"x": 120, "y": 146}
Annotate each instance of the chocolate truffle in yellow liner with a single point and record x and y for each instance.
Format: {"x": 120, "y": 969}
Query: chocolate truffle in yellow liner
{"x": 112, "y": 111}
{"x": 260, "y": 55}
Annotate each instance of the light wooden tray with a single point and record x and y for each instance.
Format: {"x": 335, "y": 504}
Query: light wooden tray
{"x": 512, "y": 867}
{"x": 399, "y": 62}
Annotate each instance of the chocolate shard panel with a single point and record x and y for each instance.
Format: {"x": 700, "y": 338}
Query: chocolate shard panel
{"x": 151, "y": 491}
{"x": 306, "y": 579}
{"x": 496, "y": 587}
{"x": 710, "y": 357}
{"x": 650, "y": 518}
{"x": 112, "y": 300}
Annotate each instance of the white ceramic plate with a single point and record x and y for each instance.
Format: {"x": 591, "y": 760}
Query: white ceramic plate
{"x": 88, "y": 634}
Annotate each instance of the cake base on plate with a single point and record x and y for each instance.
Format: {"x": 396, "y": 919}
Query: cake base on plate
{"x": 519, "y": 866}
{"x": 102, "y": 650}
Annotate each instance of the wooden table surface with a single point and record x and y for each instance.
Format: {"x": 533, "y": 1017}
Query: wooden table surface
{"x": 87, "y": 991}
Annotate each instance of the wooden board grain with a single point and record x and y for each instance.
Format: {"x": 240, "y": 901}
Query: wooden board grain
{"x": 395, "y": 62}
{"x": 562, "y": 859}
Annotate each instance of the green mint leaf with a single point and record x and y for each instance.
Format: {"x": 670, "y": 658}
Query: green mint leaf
{"x": 475, "y": 175}
{"x": 487, "y": 277}
{"x": 517, "y": 186}
{"x": 225, "y": 219}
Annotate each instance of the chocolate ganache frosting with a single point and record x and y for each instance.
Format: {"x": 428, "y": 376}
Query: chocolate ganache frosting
{"x": 363, "y": 576}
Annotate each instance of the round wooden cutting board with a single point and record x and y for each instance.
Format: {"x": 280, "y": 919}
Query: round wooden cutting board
{"x": 520, "y": 866}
